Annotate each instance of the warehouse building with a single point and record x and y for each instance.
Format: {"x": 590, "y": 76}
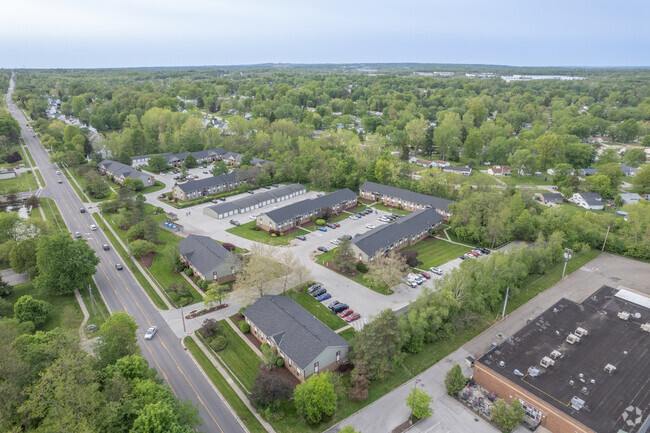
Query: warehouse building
{"x": 258, "y": 200}
{"x": 578, "y": 367}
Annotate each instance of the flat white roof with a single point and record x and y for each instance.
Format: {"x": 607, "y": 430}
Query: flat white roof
{"x": 635, "y": 298}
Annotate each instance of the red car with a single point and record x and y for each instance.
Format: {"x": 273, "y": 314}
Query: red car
{"x": 473, "y": 253}
{"x": 425, "y": 275}
{"x": 346, "y": 313}
{"x": 352, "y": 317}
{"x": 337, "y": 225}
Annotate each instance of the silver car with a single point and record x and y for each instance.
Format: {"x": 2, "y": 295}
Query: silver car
{"x": 150, "y": 333}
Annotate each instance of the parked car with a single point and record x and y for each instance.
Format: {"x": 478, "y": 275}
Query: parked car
{"x": 410, "y": 283}
{"x": 118, "y": 266}
{"x": 313, "y": 288}
{"x": 370, "y": 226}
{"x": 346, "y": 313}
{"x": 319, "y": 292}
{"x": 252, "y": 217}
{"x": 339, "y": 307}
{"x": 105, "y": 247}
{"x": 472, "y": 253}
{"x": 205, "y": 172}
{"x": 82, "y": 210}
{"x": 419, "y": 279}
{"x": 150, "y": 333}
{"x": 266, "y": 187}
{"x": 301, "y": 237}
{"x": 222, "y": 198}
{"x": 323, "y": 249}
{"x": 346, "y": 236}
{"x": 204, "y": 166}
{"x": 322, "y": 229}
{"x": 485, "y": 250}
{"x": 425, "y": 275}
{"x": 337, "y": 225}
{"x": 250, "y": 192}
{"x": 93, "y": 227}
{"x": 435, "y": 270}
{"x": 235, "y": 223}
{"x": 214, "y": 200}
{"x": 334, "y": 242}
{"x": 352, "y": 317}
{"x": 333, "y": 304}
{"x": 196, "y": 177}
{"x": 323, "y": 297}
{"x": 330, "y": 225}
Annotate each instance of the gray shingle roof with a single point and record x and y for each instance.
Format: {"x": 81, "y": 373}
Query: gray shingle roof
{"x": 201, "y": 154}
{"x": 118, "y": 169}
{"x": 208, "y": 182}
{"x": 205, "y": 253}
{"x": 260, "y": 196}
{"x": 592, "y": 198}
{"x": 297, "y": 333}
{"x": 407, "y": 195}
{"x": 553, "y": 196}
{"x": 310, "y": 205}
{"x": 387, "y": 235}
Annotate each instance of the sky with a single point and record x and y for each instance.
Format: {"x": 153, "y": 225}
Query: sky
{"x": 132, "y": 33}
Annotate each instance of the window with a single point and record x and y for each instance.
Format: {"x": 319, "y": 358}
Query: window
{"x": 316, "y": 368}
{"x": 338, "y": 356}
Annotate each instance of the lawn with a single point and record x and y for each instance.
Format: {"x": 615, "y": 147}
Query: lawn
{"x": 64, "y": 310}
{"x": 436, "y": 252}
{"x": 22, "y": 183}
{"x": 261, "y": 236}
{"x": 100, "y": 312}
{"x": 391, "y": 209}
{"x": 361, "y": 278}
{"x": 52, "y": 214}
{"x": 68, "y": 176}
{"x": 82, "y": 182}
{"x": 40, "y": 177}
{"x": 527, "y": 180}
{"x": 348, "y": 334}
{"x": 317, "y": 309}
{"x": 157, "y": 186}
{"x": 240, "y": 408}
{"x": 239, "y": 358}
{"x": 479, "y": 179}
{"x": 29, "y": 155}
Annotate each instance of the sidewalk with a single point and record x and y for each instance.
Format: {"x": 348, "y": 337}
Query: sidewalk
{"x": 82, "y": 335}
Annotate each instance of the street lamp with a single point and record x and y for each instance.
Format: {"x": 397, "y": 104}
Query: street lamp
{"x": 415, "y": 385}
{"x": 567, "y": 256}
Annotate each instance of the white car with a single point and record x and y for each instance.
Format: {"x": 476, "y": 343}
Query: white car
{"x": 334, "y": 241}
{"x": 93, "y": 227}
{"x": 150, "y": 333}
{"x": 253, "y": 217}
{"x": 370, "y": 226}
{"x": 58, "y": 172}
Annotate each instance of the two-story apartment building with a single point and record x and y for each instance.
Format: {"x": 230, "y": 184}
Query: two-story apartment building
{"x": 305, "y": 343}
{"x": 404, "y": 198}
{"x": 207, "y": 156}
{"x": 301, "y": 212}
{"x": 406, "y": 231}
{"x": 121, "y": 171}
{"x": 193, "y": 189}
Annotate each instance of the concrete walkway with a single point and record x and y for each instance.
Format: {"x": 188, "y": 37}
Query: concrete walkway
{"x": 82, "y": 335}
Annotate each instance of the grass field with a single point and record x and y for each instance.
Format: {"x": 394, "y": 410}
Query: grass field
{"x": 319, "y": 310}
{"x": 526, "y": 180}
{"x": 52, "y": 214}
{"x": 157, "y": 186}
{"x": 240, "y": 358}
{"x": 348, "y": 334}
{"x": 261, "y": 236}
{"x": 82, "y": 182}
{"x": 29, "y": 155}
{"x": 361, "y": 278}
{"x": 69, "y": 177}
{"x": 22, "y": 183}
{"x": 437, "y": 252}
{"x": 100, "y": 311}
{"x": 242, "y": 411}
{"x": 479, "y": 179}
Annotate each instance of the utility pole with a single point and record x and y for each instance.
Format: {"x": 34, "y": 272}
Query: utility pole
{"x": 505, "y": 302}
{"x": 415, "y": 385}
{"x": 183, "y": 318}
{"x": 130, "y": 256}
{"x": 606, "y": 235}
{"x": 567, "y": 256}
{"x": 92, "y": 301}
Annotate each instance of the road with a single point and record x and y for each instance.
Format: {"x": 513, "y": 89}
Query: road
{"x": 121, "y": 292}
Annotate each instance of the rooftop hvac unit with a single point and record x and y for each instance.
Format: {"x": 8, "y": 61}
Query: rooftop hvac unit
{"x": 546, "y": 362}
{"x": 556, "y": 354}
{"x": 533, "y": 371}
{"x": 572, "y": 339}
{"x": 581, "y": 332}
{"x": 646, "y": 327}
{"x": 623, "y": 315}
{"x": 577, "y": 403}
{"x": 584, "y": 390}
{"x": 610, "y": 368}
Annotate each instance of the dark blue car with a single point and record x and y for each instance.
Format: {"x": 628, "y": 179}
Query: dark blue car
{"x": 322, "y": 229}
{"x": 323, "y": 297}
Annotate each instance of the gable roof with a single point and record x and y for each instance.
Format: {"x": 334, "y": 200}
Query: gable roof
{"x": 552, "y": 196}
{"x": 591, "y": 198}
{"x": 407, "y": 195}
{"x": 310, "y": 205}
{"x": 201, "y": 154}
{"x": 587, "y": 171}
{"x": 297, "y": 333}
{"x": 500, "y": 169}
{"x": 257, "y": 198}
{"x": 458, "y": 169}
{"x": 627, "y": 169}
{"x": 208, "y": 182}
{"x": 386, "y": 235}
{"x": 204, "y": 253}
{"x": 118, "y": 169}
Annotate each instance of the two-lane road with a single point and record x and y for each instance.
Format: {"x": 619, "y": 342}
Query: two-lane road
{"x": 122, "y": 292}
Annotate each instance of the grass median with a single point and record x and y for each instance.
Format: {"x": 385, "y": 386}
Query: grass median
{"x": 262, "y": 236}
{"x": 52, "y": 214}
{"x": 318, "y": 310}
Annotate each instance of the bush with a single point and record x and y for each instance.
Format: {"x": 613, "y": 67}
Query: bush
{"x": 244, "y": 327}
{"x": 241, "y": 311}
{"x": 268, "y": 391}
{"x": 280, "y": 362}
{"x": 320, "y": 222}
{"x": 218, "y": 343}
{"x": 27, "y": 308}
{"x": 273, "y": 235}
{"x": 362, "y": 267}
{"x": 210, "y": 328}
{"x": 228, "y": 246}
{"x": 188, "y": 272}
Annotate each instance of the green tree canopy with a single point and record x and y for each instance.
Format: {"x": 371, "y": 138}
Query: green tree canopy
{"x": 455, "y": 381}
{"x": 27, "y": 308}
{"x": 315, "y": 398}
{"x": 118, "y": 338}
{"x": 420, "y": 403}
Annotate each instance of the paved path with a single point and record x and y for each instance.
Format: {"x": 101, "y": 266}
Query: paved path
{"x": 11, "y": 277}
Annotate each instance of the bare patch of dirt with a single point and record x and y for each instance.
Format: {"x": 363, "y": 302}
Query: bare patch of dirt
{"x": 330, "y": 265}
{"x": 147, "y": 259}
{"x": 281, "y": 372}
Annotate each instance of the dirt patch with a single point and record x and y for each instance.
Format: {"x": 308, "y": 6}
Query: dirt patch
{"x": 147, "y": 259}
{"x": 404, "y": 426}
{"x": 330, "y": 265}
{"x": 281, "y": 372}
{"x": 430, "y": 239}
{"x": 236, "y": 318}
{"x": 160, "y": 243}
{"x": 345, "y": 368}
{"x": 308, "y": 224}
{"x": 254, "y": 340}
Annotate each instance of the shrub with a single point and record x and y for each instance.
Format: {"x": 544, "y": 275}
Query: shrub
{"x": 210, "y": 328}
{"x": 244, "y": 327}
{"x": 27, "y": 308}
{"x": 218, "y": 343}
{"x": 241, "y": 311}
{"x": 320, "y": 222}
{"x": 268, "y": 391}
{"x": 280, "y": 362}
{"x": 228, "y": 246}
{"x": 281, "y": 234}
{"x": 188, "y": 272}
{"x": 362, "y": 267}
{"x": 273, "y": 235}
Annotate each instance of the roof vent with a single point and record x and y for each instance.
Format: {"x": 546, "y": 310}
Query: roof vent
{"x": 546, "y": 362}
{"x": 533, "y": 371}
{"x": 581, "y": 332}
{"x": 646, "y": 327}
{"x": 556, "y": 354}
{"x": 623, "y": 315}
{"x": 584, "y": 390}
{"x": 577, "y": 403}
{"x": 637, "y": 315}
{"x": 581, "y": 375}
{"x": 557, "y": 333}
{"x": 592, "y": 381}
{"x": 609, "y": 368}
{"x": 572, "y": 339}
{"x": 502, "y": 364}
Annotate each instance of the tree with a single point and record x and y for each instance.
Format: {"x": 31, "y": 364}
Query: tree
{"x": 125, "y": 158}
{"x": 315, "y": 398}
{"x": 158, "y": 417}
{"x": 172, "y": 257}
{"x": 27, "y": 308}
{"x": 420, "y": 404}
{"x": 508, "y": 419}
{"x": 118, "y": 338}
{"x": 190, "y": 161}
{"x": 416, "y": 130}
{"x": 473, "y": 145}
{"x": 158, "y": 163}
{"x": 523, "y": 161}
{"x": 141, "y": 247}
{"x": 634, "y": 157}
{"x": 627, "y": 131}
{"x": 547, "y": 146}
{"x": 258, "y": 274}
{"x": 411, "y": 257}
{"x": 344, "y": 256}
{"x": 614, "y": 172}
{"x": 455, "y": 381}
{"x": 96, "y": 186}
{"x": 133, "y": 183}
{"x": 289, "y": 264}
{"x": 32, "y": 201}
{"x": 219, "y": 168}
{"x": 562, "y": 174}
{"x": 268, "y": 390}
{"x": 217, "y": 293}
{"x": 63, "y": 264}
{"x": 601, "y": 184}
{"x": 447, "y": 134}
{"x": 388, "y": 269}
{"x": 377, "y": 345}
{"x": 6, "y": 289}
{"x": 22, "y": 256}
{"x": 641, "y": 181}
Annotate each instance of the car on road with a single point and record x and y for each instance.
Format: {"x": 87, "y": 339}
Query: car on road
{"x": 318, "y": 292}
{"x": 322, "y": 229}
{"x": 323, "y": 297}
{"x": 58, "y": 172}
{"x": 77, "y": 234}
{"x": 60, "y": 180}
{"x": 301, "y": 237}
{"x": 105, "y": 247}
{"x": 150, "y": 333}
{"x": 339, "y": 307}
{"x": 352, "y": 317}
{"x": 82, "y": 210}
{"x": 425, "y": 275}
{"x": 323, "y": 249}
{"x": 235, "y": 223}
{"x": 93, "y": 227}
{"x": 346, "y": 313}
{"x": 118, "y": 266}
{"x": 435, "y": 270}
{"x": 205, "y": 172}
{"x": 313, "y": 288}
{"x": 370, "y": 226}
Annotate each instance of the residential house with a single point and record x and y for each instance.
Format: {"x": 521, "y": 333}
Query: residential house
{"x": 499, "y": 170}
{"x": 627, "y": 170}
{"x": 258, "y": 200}
{"x": 631, "y": 198}
{"x": 588, "y": 200}
{"x": 587, "y": 171}
{"x": 465, "y": 171}
{"x": 176, "y": 159}
{"x": 440, "y": 163}
{"x": 550, "y": 198}
{"x": 301, "y": 212}
{"x": 193, "y": 189}
{"x": 121, "y": 171}
{"x": 305, "y": 343}
{"x": 208, "y": 259}
{"x": 7, "y": 173}
{"x": 403, "y": 198}
{"x": 406, "y": 231}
